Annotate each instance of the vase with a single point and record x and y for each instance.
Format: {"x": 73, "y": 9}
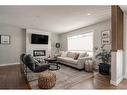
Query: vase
{"x": 104, "y": 68}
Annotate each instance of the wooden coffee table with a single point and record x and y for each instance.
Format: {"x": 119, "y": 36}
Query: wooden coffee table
{"x": 53, "y": 63}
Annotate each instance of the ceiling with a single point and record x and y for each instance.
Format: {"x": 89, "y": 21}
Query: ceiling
{"x": 58, "y": 19}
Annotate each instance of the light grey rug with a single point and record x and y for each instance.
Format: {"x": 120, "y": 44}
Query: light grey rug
{"x": 66, "y": 78}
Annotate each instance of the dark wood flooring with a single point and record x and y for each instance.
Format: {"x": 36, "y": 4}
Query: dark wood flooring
{"x": 100, "y": 82}
{"x": 11, "y": 78}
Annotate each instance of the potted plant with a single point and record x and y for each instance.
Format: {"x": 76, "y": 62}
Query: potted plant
{"x": 105, "y": 57}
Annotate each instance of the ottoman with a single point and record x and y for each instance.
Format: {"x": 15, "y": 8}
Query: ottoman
{"x": 89, "y": 66}
{"x": 46, "y": 80}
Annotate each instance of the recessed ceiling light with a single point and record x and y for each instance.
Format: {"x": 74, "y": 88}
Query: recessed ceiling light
{"x": 89, "y": 14}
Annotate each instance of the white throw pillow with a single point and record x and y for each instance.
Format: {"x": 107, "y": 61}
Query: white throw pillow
{"x": 63, "y": 54}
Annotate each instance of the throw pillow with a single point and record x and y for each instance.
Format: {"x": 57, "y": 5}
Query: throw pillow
{"x": 64, "y": 54}
{"x": 71, "y": 54}
{"x": 76, "y": 56}
{"x": 60, "y": 53}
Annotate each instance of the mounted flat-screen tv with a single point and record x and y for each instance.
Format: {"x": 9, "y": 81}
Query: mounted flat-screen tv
{"x": 39, "y": 39}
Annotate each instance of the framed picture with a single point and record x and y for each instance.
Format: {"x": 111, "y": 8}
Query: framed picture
{"x": 5, "y": 39}
{"x": 106, "y": 41}
{"x": 105, "y": 34}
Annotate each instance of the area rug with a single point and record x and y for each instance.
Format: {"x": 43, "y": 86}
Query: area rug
{"x": 66, "y": 78}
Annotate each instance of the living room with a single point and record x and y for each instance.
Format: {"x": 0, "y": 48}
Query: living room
{"x": 75, "y": 29}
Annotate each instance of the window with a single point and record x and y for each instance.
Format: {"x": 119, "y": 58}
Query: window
{"x": 82, "y": 42}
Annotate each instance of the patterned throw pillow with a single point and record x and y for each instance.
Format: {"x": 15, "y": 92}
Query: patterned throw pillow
{"x": 71, "y": 54}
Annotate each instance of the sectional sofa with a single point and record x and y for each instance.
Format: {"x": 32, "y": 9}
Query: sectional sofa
{"x": 76, "y": 60}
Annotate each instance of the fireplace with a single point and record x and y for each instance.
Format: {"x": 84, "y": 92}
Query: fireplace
{"x": 39, "y": 53}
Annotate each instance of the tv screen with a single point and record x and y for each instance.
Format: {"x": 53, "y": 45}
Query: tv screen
{"x": 39, "y": 39}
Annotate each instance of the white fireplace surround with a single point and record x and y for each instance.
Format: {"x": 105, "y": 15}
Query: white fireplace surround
{"x": 39, "y": 53}
{"x": 31, "y": 47}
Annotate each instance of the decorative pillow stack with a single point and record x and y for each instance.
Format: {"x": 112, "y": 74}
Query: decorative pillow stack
{"x": 74, "y": 55}
{"x": 71, "y": 55}
{"x": 63, "y": 54}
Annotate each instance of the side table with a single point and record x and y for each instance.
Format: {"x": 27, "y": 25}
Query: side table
{"x": 53, "y": 63}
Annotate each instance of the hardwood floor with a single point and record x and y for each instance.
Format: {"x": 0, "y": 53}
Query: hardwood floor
{"x": 100, "y": 82}
{"x": 10, "y": 78}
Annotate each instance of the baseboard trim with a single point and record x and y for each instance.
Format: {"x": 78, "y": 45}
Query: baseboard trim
{"x": 9, "y": 64}
{"x": 116, "y": 83}
{"x": 113, "y": 83}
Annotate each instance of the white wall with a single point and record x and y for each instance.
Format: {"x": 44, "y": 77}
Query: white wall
{"x": 21, "y": 43}
{"x": 30, "y": 47}
{"x": 54, "y": 40}
{"x": 10, "y": 53}
{"x": 116, "y": 67}
{"x": 50, "y": 49}
{"x": 96, "y": 28}
{"x": 119, "y": 66}
{"x": 125, "y": 47}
